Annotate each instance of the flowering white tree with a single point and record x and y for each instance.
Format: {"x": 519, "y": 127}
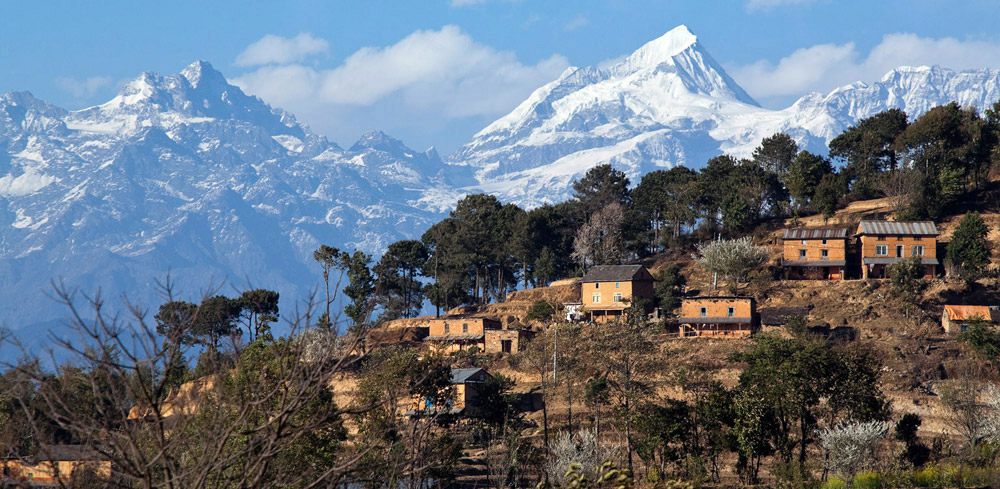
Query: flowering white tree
{"x": 851, "y": 446}
{"x": 732, "y": 259}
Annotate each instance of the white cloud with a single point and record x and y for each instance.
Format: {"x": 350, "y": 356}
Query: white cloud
{"x": 431, "y": 73}
{"x": 83, "y": 89}
{"x": 827, "y": 66}
{"x": 753, "y": 5}
{"x": 578, "y": 22}
{"x": 272, "y": 49}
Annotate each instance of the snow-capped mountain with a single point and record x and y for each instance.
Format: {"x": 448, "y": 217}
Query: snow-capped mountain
{"x": 189, "y": 174}
{"x": 671, "y": 103}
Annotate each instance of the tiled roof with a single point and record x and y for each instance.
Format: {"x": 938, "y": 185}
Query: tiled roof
{"x": 66, "y": 453}
{"x": 612, "y": 273}
{"x": 964, "y": 313}
{"x": 910, "y": 228}
{"x": 815, "y": 233}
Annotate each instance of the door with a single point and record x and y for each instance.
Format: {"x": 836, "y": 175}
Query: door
{"x": 899, "y": 251}
{"x": 505, "y": 346}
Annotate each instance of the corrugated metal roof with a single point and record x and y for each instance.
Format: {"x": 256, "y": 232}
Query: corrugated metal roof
{"x": 461, "y": 375}
{"x": 815, "y": 233}
{"x": 964, "y": 313}
{"x": 612, "y": 273}
{"x": 910, "y": 228}
{"x": 820, "y": 263}
{"x": 888, "y": 260}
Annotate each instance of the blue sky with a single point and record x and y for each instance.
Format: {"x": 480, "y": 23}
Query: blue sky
{"x": 433, "y": 72}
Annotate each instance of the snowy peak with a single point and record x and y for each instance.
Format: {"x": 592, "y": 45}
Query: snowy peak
{"x": 661, "y": 49}
{"x": 202, "y": 71}
{"x": 380, "y": 141}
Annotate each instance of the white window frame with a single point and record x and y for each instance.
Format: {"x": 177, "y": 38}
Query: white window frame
{"x": 596, "y": 298}
{"x": 617, "y": 297}
{"x": 465, "y": 328}
{"x": 703, "y": 311}
{"x": 731, "y": 312}
{"x": 804, "y": 242}
{"x": 881, "y": 250}
{"x": 802, "y": 254}
{"x": 824, "y": 254}
{"x": 917, "y": 250}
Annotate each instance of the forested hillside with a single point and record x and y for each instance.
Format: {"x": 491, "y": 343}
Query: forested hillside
{"x": 863, "y": 389}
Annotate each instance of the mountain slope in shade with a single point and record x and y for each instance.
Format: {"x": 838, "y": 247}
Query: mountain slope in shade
{"x": 187, "y": 173}
{"x": 670, "y": 103}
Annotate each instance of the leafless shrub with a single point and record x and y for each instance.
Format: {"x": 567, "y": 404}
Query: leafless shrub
{"x": 582, "y": 448}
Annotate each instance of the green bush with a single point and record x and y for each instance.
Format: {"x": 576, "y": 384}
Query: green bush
{"x": 540, "y": 310}
{"x": 834, "y": 483}
{"x": 867, "y": 480}
{"x": 929, "y": 476}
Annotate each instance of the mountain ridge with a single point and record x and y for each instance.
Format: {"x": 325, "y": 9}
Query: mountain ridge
{"x": 187, "y": 173}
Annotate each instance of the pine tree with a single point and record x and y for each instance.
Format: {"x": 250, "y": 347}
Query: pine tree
{"x": 968, "y": 250}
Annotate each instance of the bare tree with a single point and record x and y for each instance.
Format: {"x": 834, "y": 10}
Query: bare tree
{"x": 268, "y": 420}
{"x": 599, "y": 241}
{"x": 899, "y": 187}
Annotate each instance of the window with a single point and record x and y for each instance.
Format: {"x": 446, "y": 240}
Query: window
{"x": 704, "y": 312}
{"x": 597, "y": 285}
{"x": 899, "y": 238}
{"x": 617, "y": 285}
{"x": 803, "y": 242}
{"x": 596, "y": 298}
{"x": 918, "y": 250}
{"x": 824, "y": 242}
{"x": 505, "y": 346}
{"x": 881, "y": 250}
{"x": 802, "y": 254}
{"x": 731, "y": 312}
{"x": 899, "y": 251}
{"x": 824, "y": 255}
{"x": 617, "y": 297}
{"x": 465, "y": 328}
{"x": 447, "y": 329}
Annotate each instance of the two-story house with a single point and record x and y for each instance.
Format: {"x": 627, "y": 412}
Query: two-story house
{"x": 608, "y": 290}
{"x": 815, "y": 253}
{"x": 882, "y": 243}
{"x": 718, "y": 316}
{"x": 460, "y": 332}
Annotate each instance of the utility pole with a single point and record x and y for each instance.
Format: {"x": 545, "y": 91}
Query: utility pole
{"x": 555, "y": 350}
